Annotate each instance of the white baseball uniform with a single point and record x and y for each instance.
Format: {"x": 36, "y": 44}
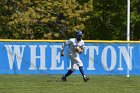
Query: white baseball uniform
{"x": 72, "y": 54}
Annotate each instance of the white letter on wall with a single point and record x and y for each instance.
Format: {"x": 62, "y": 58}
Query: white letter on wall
{"x": 127, "y": 56}
{"x": 104, "y": 58}
{"x": 15, "y": 53}
{"x": 56, "y": 58}
{"x": 91, "y": 56}
{"x": 34, "y": 57}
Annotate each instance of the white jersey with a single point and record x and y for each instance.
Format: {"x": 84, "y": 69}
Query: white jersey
{"x": 72, "y": 54}
{"x": 72, "y": 44}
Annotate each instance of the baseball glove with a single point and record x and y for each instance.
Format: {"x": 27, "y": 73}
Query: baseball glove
{"x": 79, "y": 49}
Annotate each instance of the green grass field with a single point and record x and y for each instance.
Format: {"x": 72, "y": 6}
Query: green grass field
{"x": 74, "y": 84}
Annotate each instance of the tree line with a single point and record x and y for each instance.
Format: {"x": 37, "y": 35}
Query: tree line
{"x": 59, "y": 19}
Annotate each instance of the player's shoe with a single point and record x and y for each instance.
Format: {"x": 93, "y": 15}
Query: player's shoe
{"x": 63, "y": 78}
{"x": 87, "y": 79}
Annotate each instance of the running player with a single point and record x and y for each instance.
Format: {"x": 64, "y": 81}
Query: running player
{"x": 73, "y": 55}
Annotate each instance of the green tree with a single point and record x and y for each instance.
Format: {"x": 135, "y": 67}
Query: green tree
{"x": 108, "y": 20}
{"x": 135, "y": 20}
{"x": 59, "y": 19}
{"x": 39, "y": 19}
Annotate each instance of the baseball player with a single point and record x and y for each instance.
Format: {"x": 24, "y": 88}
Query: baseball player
{"x": 75, "y": 46}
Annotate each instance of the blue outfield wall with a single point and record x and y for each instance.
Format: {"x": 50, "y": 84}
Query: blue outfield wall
{"x": 99, "y": 58}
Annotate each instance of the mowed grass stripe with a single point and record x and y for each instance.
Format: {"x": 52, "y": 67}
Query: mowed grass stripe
{"x": 74, "y": 84}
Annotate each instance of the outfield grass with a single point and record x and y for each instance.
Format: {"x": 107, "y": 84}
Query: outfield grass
{"x": 74, "y": 84}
